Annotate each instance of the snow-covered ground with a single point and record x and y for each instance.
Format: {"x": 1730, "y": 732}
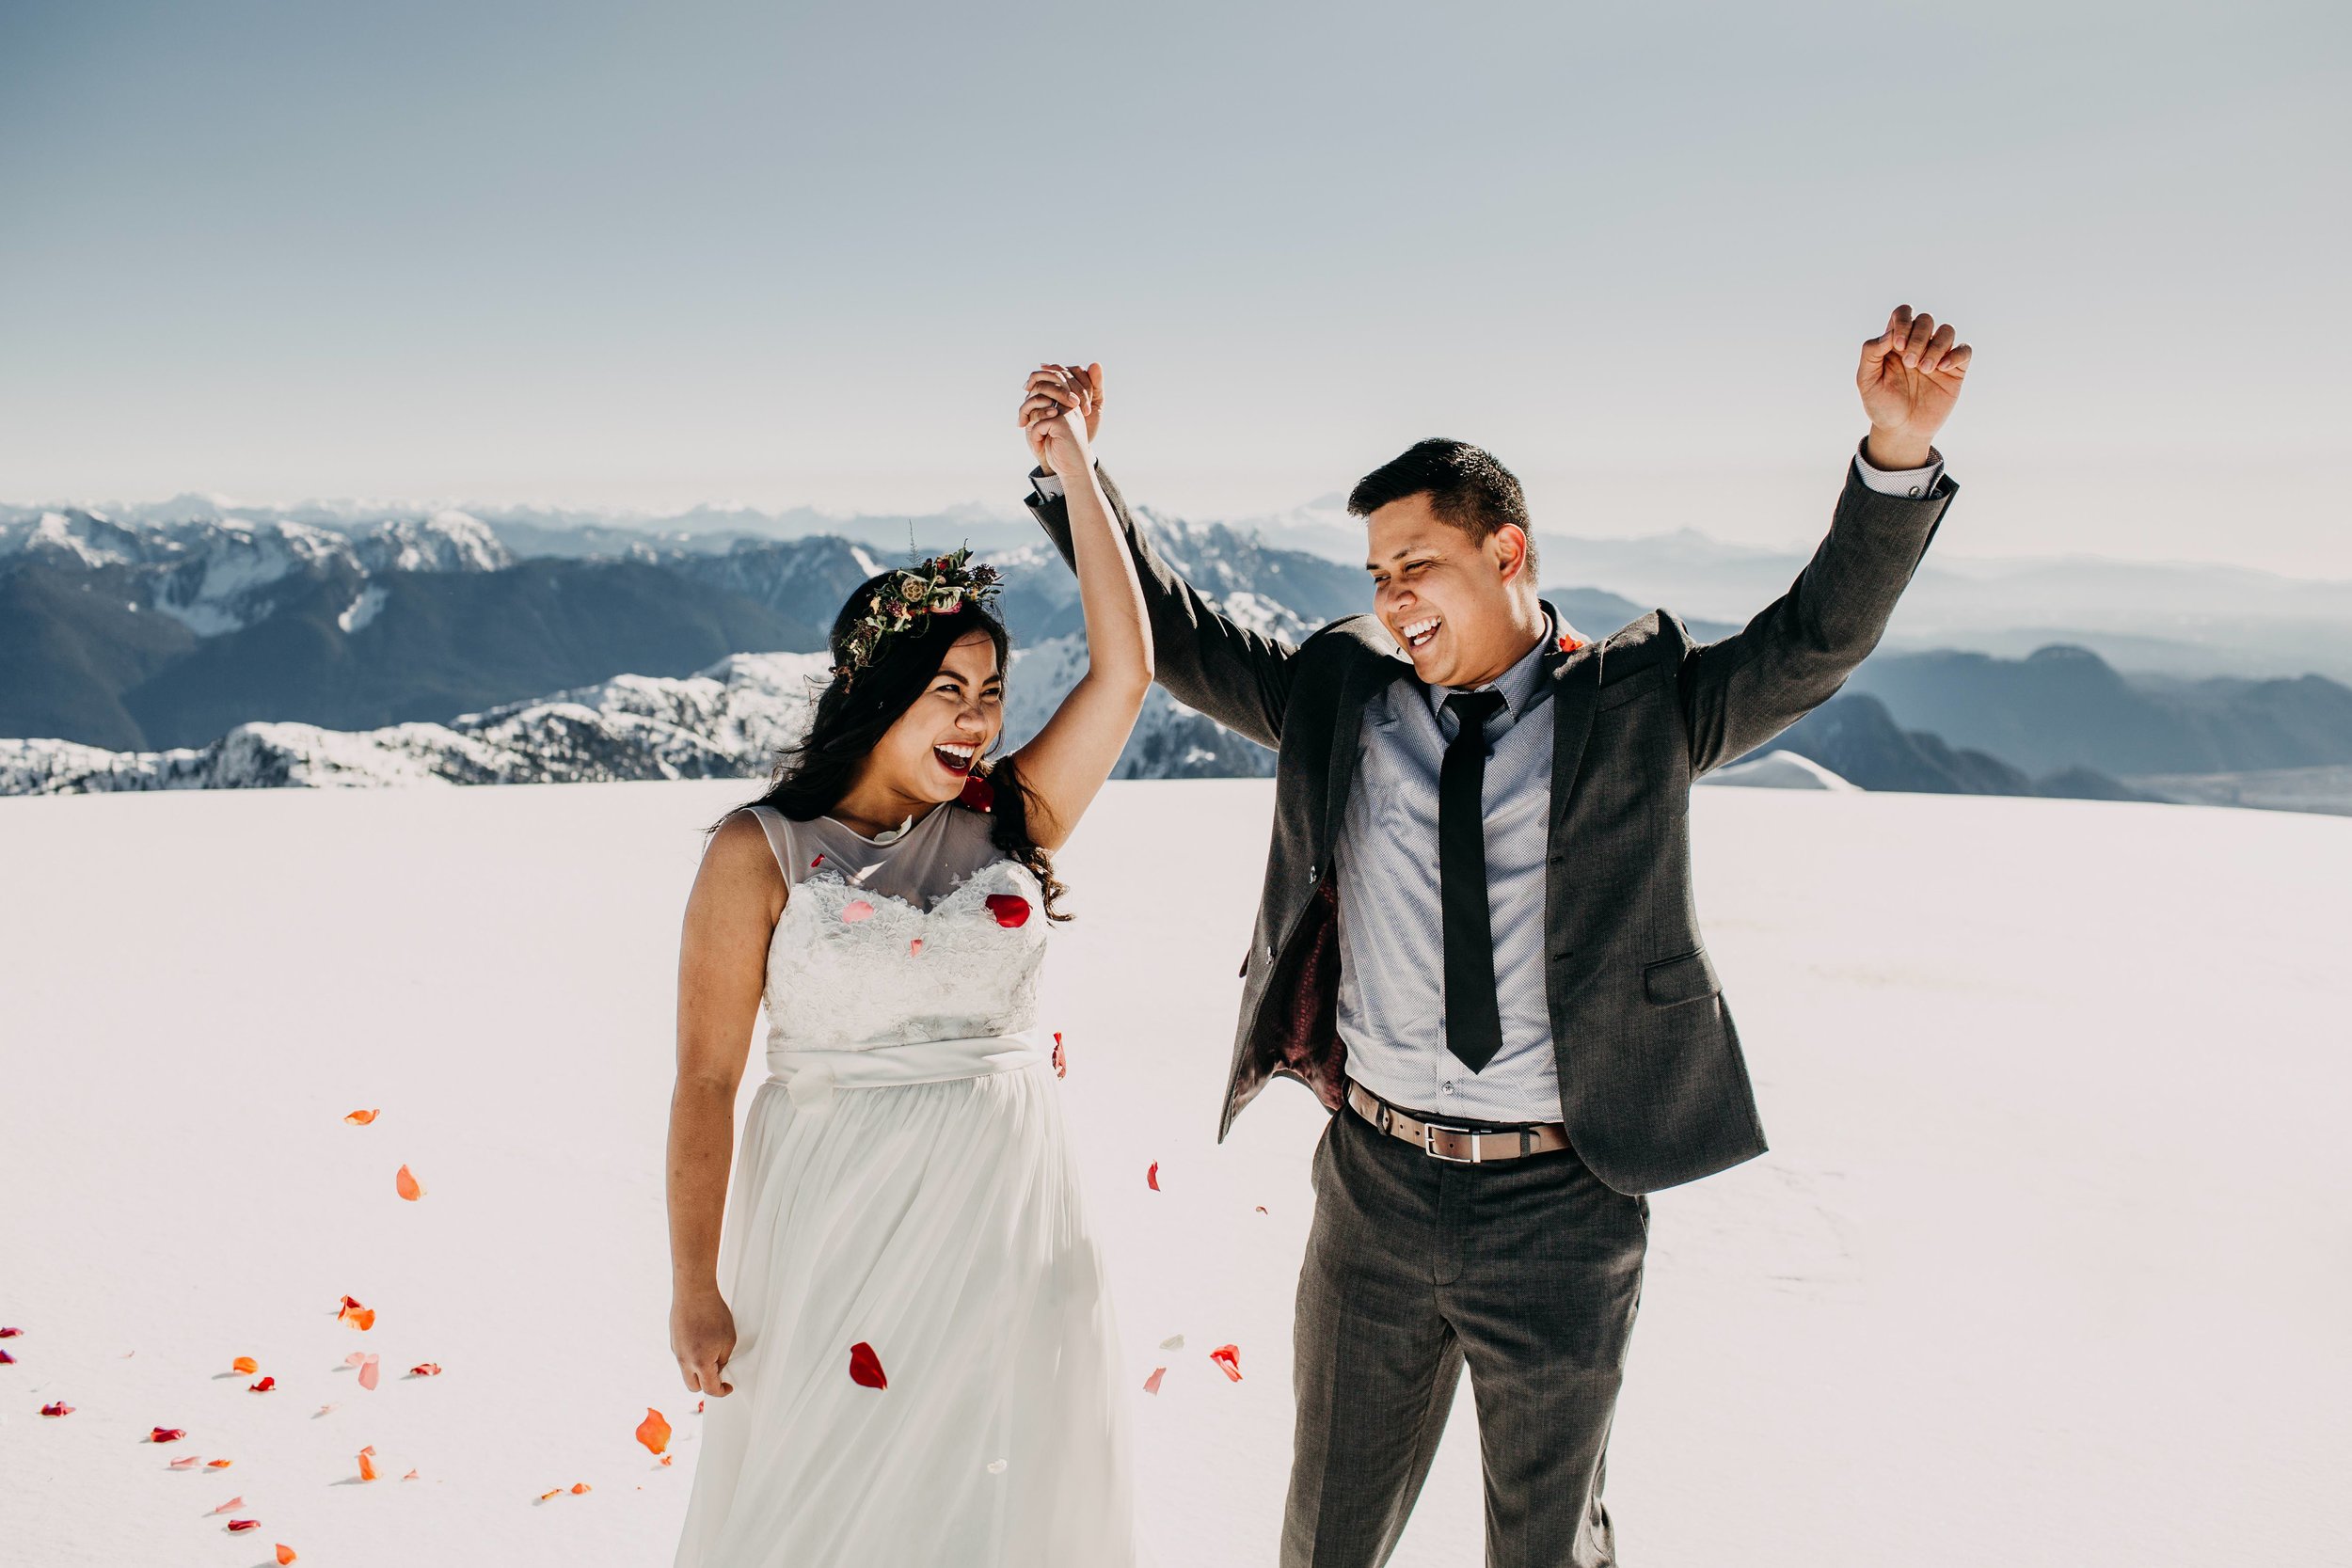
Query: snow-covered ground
{"x": 2048, "y": 1263}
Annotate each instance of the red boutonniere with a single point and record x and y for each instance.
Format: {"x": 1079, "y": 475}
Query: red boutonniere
{"x": 1568, "y": 641}
{"x": 979, "y": 793}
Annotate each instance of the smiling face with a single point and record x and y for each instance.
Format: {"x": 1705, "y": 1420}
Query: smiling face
{"x": 928, "y": 754}
{"x": 1457, "y": 606}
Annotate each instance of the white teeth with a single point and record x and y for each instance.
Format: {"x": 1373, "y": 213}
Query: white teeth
{"x": 964, "y": 752}
{"x": 1417, "y": 632}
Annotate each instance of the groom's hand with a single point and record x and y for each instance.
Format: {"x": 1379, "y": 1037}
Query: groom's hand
{"x": 1058, "y": 388}
{"x": 1909, "y": 378}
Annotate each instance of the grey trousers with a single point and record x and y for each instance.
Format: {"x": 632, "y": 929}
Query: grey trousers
{"x": 1528, "y": 1271}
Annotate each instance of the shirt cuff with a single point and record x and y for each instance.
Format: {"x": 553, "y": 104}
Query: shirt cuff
{"x": 1048, "y": 487}
{"x": 1898, "y": 481}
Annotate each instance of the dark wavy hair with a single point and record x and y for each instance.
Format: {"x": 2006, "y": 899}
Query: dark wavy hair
{"x": 809, "y": 779}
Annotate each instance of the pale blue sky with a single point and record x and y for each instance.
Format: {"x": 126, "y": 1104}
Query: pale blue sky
{"x": 651, "y": 255}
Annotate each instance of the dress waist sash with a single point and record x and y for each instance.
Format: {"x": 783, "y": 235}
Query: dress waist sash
{"x": 810, "y": 1077}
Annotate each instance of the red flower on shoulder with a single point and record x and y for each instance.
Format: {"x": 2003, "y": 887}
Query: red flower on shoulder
{"x": 978, "y": 793}
{"x": 1010, "y": 908}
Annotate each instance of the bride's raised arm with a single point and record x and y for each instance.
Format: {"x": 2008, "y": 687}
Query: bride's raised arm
{"x": 1067, "y": 761}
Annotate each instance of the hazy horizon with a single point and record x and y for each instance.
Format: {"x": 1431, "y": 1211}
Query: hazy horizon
{"x": 803, "y": 257}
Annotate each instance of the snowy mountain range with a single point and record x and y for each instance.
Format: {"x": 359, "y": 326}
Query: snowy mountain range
{"x": 196, "y": 645}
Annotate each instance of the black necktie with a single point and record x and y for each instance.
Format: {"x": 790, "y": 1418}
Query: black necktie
{"x": 1473, "y": 1020}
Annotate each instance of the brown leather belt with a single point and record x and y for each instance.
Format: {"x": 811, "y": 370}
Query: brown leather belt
{"x": 1460, "y": 1144}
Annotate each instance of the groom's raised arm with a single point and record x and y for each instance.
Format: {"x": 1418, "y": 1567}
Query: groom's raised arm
{"x": 1741, "y": 692}
{"x": 1237, "y": 677}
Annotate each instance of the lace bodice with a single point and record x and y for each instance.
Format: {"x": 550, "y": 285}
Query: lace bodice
{"x": 930, "y": 936}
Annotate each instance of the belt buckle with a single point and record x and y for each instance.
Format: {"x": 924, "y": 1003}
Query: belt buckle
{"x": 1429, "y": 1146}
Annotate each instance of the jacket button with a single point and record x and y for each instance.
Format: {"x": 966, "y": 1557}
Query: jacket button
{"x": 1269, "y": 949}
{"x": 1914, "y": 489}
{"x": 1310, "y": 873}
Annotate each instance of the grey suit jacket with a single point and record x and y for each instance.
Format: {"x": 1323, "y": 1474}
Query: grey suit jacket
{"x": 1653, "y": 1088}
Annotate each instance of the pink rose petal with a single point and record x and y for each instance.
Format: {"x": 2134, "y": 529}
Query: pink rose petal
{"x": 1152, "y": 1384}
{"x": 188, "y": 1463}
{"x": 367, "y": 1373}
{"x": 855, "y": 911}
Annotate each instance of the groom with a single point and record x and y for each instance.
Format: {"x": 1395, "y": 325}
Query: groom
{"x": 1477, "y": 947}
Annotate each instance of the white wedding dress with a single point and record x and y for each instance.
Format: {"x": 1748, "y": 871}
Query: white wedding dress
{"x": 903, "y": 1183}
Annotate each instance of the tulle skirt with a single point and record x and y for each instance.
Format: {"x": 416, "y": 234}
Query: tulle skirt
{"x": 941, "y": 1224}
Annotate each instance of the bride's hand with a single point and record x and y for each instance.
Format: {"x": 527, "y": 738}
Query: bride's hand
{"x": 1053, "y": 393}
{"x": 702, "y": 1336}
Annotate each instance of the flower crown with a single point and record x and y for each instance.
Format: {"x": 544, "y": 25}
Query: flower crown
{"x": 939, "y": 586}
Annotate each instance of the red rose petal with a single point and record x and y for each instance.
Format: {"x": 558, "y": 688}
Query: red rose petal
{"x": 58, "y": 1408}
{"x": 219, "y": 1464}
{"x": 1010, "y": 908}
{"x": 167, "y": 1435}
{"x": 6, "y": 1359}
{"x": 1151, "y": 1176}
{"x": 978, "y": 793}
{"x": 243, "y": 1524}
{"x": 914, "y": 947}
{"x": 1061, "y": 1062}
{"x": 261, "y": 1387}
{"x": 1228, "y": 1357}
{"x": 9, "y": 1333}
{"x": 1152, "y": 1384}
{"x": 425, "y": 1368}
{"x": 865, "y": 1366}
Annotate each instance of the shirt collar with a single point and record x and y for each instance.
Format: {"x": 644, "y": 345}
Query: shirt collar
{"x": 1518, "y": 684}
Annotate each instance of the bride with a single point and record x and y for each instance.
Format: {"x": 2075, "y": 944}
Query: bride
{"x": 900, "y": 1326}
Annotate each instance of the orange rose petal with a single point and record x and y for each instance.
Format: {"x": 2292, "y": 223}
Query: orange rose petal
{"x": 654, "y": 1430}
{"x": 580, "y": 1486}
{"x": 244, "y": 1364}
{"x": 361, "y": 1118}
{"x": 425, "y": 1368}
{"x": 285, "y": 1553}
{"x": 666, "y": 1458}
{"x": 545, "y": 1496}
{"x": 219, "y": 1464}
{"x": 407, "y": 1184}
{"x": 367, "y": 1463}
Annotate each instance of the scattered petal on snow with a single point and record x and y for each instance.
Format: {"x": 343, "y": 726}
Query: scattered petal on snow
{"x": 1228, "y": 1357}
{"x": 411, "y": 1476}
{"x": 243, "y": 1524}
{"x": 361, "y": 1118}
{"x": 6, "y": 1359}
{"x": 356, "y": 1315}
{"x": 244, "y": 1364}
{"x": 425, "y": 1368}
{"x": 1152, "y": 1384}
{"x": 579, "y": 1486}
{"x": 1174, "y": 1341}
{"x": 367, "y": 1463}
{"x": 9, "y": 1333}
{"x": 219, "y": 1464}
{"x": 366, "y": 1372}
{"x": 263, "y": 1386}
{"x": 325, "y": 1409}
{"x": 407, "y": 1185}
{"x": 556, "y": 1492}
{"x": 1151, "y": 1176}
{"x": 190, "y": 1462}
{"x": 855, "y": 911}
{"x": 865, "y": 1366}
{"x": 357, "y": 1358}
{"x": 57, "y": 1408}
{"x": 1261, "y": 1208}
{"x": 233, "y": 1502}
{"x": 654, "y": 1430}
{"x": 167, "y": 1435}
{"x": 1010, "y": 908}
{"x": 285, "y": 1553}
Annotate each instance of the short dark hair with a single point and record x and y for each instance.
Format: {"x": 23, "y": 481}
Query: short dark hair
{"x": 1465, "y": 484}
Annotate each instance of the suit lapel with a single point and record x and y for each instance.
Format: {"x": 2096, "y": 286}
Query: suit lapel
{"x": 1365, "y": 678}
{"x": 1575, "y": 688}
